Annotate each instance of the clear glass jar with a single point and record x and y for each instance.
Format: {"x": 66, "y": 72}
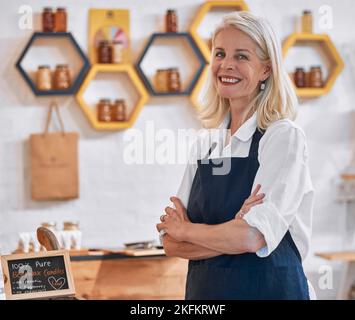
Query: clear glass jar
{"x": 174, "y": 84}
{"x": 117, "y": 54}
{"x": 51, "y": 225}
{"x": 307, "y": 21}
{"x": 171, "y": 21}
{"x": 161, "y": 80}
{"x": 71, "y": 225}
{"x": 104, "y": 110}
{"x": 44, "y": 78}
{"x": 61, "y": 20}
{"x": 48, "y": 20}
{"x": 61, "y": 79}
{"x": 105, "y": 52}
{"x": 118, "y": 110}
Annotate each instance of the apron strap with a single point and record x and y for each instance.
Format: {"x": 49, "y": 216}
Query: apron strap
{"x": 254, "y": 147}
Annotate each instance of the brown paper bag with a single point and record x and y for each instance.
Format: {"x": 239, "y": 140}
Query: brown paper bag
{"x": 54, "y": 163}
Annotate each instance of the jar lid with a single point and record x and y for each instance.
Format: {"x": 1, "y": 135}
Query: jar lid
{"x": 307, "y": 12}
{"x": 173, "y": 69}
{"x": 47, "y": 9}
{"x": 315, "y": 67}
{"x": 106, "y": 42}
{"x": 299, "y": 69}
{"x": 119, "y": 101}
{"x": 49, "y": 224}
{"x": 61, "y": 9}
{"x": 43, "y": 66}
{"x": 71, "y": 223}
{"x": 62, "y": 65}
{"x": 105, "y": 100}
{"x": 171, "y": 11}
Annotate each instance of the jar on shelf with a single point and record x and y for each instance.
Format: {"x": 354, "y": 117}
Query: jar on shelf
{"x": 174, "y": 84}
{"x": 171, "y": 21}
{"x": 161, "y": 80}
{"x": 71, "y": 225}
{"x": 104, "y": 110}
{"x": 61, "y": 20}
{"x": 307, "y": 21}
{"x": 315, "y": 77}
{"x": 300, "y": 78}
{"x": 119, "y": 110}
{"x": 117, "y": 47}
{"x": 61, "y": 79}
{"x": 48, "y": 20}
{"x": 105, "y": 52}
{"x": 51, "y": 225}
{"x": 44, "y": 78}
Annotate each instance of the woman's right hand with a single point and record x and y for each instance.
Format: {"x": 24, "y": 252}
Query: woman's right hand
{"x": 253, "y": 200}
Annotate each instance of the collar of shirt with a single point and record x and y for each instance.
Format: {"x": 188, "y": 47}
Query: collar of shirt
{"x": 245, "y": 131}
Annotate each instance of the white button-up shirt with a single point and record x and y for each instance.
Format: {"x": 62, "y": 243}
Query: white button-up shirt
{"x": 283, "y": 175}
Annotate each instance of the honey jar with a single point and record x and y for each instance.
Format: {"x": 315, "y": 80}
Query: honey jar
{"x": 174, "y": 84}
{"x": 105, "y": 52}
{"x": 44, "y": 78}
{"x": 161, "y": 80}
{"x": 71, "y": 225}
{"x": 307, "y": 21}
{"x": 118, "y": 110}
{"x": 300, "y": 78}
{"x": 315, "y": 77}
{"x": 61, "y": 20}
{"x": 104, "y": 110}
{"x": 48, "y": 20}
{"x": 61, "y": 79}
{"x": 171, "y": 21}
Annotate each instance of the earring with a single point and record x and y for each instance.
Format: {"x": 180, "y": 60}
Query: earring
{"x": 262, "y": 86}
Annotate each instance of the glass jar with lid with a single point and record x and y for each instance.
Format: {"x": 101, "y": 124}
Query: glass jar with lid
{"x": 51, "y": 225}
{"x": 118, "y": 111}
{"x": 161, "y": 80}
{"x": 71, "y": 225}
{"x": 174, "y": 84}
{"x": 105, "y": 52}
{"x": 300, "y": 78}
{"x": 307, "y": 21}
{"x": 104, "y": 110}
{"x": 315, "y": 77}
{"x": 61, "y": 20}
{"x": 44, "y": 78}
{"x": 48, "y": 20}
{"x": 171, "y": 21}
{"x": 61, "y": 79}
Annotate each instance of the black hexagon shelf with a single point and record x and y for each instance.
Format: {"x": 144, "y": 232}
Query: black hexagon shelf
{"x": 170, "y": 39}
{"x": 56, "y": 40}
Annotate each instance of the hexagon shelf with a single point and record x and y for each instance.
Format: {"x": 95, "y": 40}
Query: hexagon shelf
{"x": 178, "y": 50}
{"x": 53, "y": 48}
{"x": 203, "y": 11}
{"x": 327, "y": 48}
{"x": 196, "y": 92}
{"x": 110, "y": 79}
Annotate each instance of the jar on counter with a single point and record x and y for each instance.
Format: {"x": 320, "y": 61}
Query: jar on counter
{"x": 104, "y": 53}
{"x": 118, "y": 110}
{"x": 161, "y": 80}
{"x": 307, "y": 21}
{"x": 300, "y": 78}
{"x": 61, "y": 79}
{"x": 104, "y": 110}
{"x": 174, "y": 84}
{"x": 44, "y": 78}
{"x": 315, "y": 77}
{"x": 117, "y": 47}
{"x": 48, "y": 20}
{"x": 71, "y": 225}
{"x": 61, "y": 20}
{"x": 51, "y": 225}
{"x": 171, "y": 21}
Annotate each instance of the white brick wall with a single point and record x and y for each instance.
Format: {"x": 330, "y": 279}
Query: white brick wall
{"x": 120, "y": 203}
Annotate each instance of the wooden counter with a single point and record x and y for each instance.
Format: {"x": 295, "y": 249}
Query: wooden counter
{"x": 118, "y": 276}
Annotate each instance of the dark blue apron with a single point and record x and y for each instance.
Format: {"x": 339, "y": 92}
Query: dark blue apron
{"x": 215, "y": 199}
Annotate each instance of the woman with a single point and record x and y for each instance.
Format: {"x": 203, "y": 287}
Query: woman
{"x": 244, "y": 244}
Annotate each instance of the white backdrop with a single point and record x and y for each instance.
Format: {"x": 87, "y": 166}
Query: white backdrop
{"x": 121, "y": 203}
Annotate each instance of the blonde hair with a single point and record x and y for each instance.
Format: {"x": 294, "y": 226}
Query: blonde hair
{"x": 278, "y": 100}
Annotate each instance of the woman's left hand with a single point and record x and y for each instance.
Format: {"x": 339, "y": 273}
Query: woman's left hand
{"x": 175, "y": 221}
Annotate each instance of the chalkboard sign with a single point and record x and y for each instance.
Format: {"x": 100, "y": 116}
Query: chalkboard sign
{"x": 37, "y": 275}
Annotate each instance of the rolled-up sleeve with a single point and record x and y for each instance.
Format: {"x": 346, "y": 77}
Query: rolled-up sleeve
{"x": 284, "y": 178}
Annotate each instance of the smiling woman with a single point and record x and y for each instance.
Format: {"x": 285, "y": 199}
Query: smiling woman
{"x": 247, "y": 230}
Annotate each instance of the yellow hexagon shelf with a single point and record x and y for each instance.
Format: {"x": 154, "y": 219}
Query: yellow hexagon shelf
{"x": 238, "y": 5}
{"x": 112, "y": 70}
{"x": 196, "y": 92}
{"x": 325, "y": 44}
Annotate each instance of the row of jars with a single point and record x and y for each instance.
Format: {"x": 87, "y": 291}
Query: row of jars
{"x": 111, "y": 112}
{"x": 311, "y": 79}
{"x": 54, "y": 21}
{"x": 110, "y": 51}
{"x": 167, "y": 80}
{"x": 60, "y": 79}
{"x": 67, "y": 225}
